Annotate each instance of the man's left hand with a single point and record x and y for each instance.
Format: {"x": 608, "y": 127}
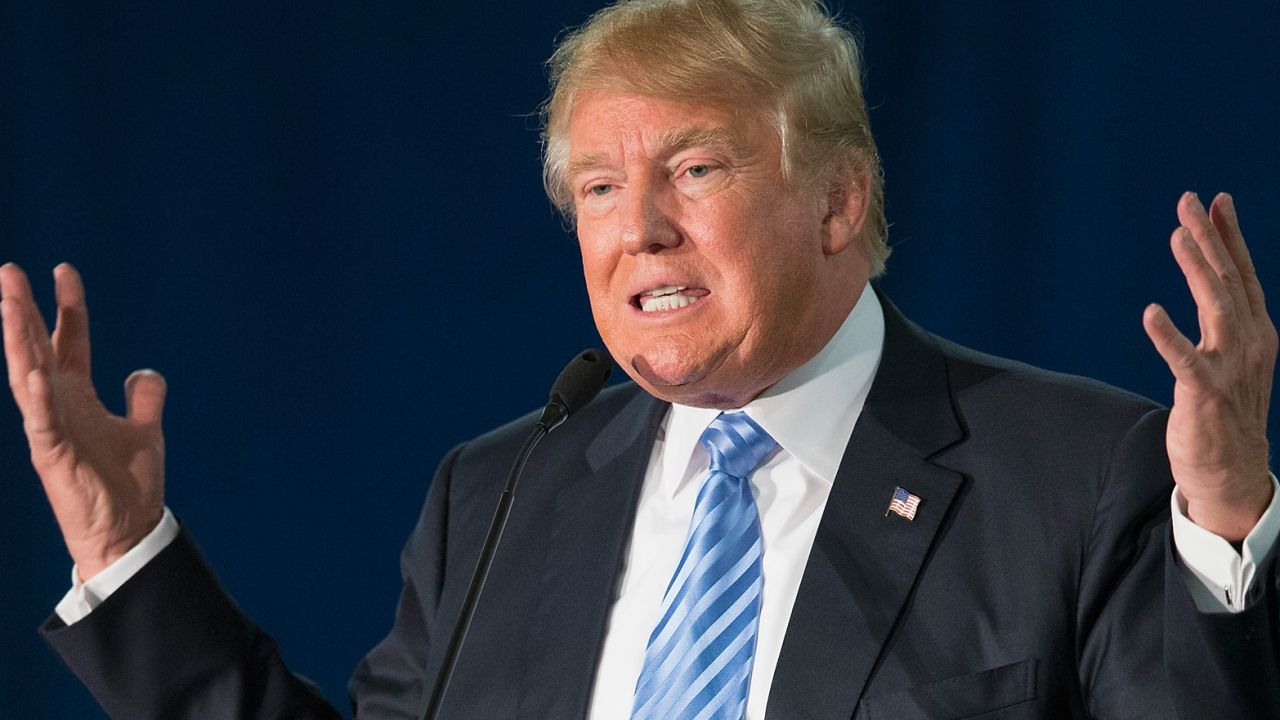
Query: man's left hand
{"x": 1217, "y": 436}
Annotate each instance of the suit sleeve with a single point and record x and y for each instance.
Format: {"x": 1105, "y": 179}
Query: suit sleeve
{"x": 1166, "y": 656}
{"x": 171, "y": 644}
{"x": 1222, "y": 665}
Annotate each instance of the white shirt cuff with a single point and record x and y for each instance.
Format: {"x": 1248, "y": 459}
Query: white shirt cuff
{"x": 1225, "y": 576}
{"x": 83, "y": 598}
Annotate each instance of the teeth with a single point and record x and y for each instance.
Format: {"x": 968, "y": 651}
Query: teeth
{"x": 664, "y": 290}
{"x": 650, "y": 303}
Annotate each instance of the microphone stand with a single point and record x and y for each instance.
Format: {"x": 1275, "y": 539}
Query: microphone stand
{"x": 576, "y": 386}
{"x": 481, "y": 572}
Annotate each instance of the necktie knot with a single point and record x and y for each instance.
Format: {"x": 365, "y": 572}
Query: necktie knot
{"x": 737, "y": 444}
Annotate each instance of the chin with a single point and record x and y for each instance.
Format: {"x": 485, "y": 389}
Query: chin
{"x": 660, "y": 372}
{"x": 694, "y": 385}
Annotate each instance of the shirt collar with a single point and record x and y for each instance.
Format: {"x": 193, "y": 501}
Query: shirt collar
{"x": 810, "y": 412}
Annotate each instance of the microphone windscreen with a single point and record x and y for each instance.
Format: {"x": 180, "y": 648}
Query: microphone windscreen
{"x": 581, "y": 379}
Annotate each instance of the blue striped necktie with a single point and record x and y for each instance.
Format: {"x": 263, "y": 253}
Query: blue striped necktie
{"x": 697, "y": 665}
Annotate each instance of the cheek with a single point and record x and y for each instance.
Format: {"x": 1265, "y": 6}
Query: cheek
{"x": 597, "y": 260}
{"x": 598, "y": 271}
{"x": 779, "y": 269}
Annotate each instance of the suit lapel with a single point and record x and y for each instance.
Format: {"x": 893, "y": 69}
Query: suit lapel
{"x": 593, "y": 515}
{"x": 863, "y": 563}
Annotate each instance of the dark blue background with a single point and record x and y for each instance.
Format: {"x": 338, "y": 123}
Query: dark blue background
{"x": 324, "y": 224}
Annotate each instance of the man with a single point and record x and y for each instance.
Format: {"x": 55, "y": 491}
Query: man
{"x": 922, "y": 531}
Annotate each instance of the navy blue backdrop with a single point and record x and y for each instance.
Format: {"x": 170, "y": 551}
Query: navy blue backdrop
{"x": 325, "y": 226}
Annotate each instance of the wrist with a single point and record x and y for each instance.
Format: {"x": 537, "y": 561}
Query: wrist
{"x": 91, "y": 558}
{"x": 1230, "y": 515}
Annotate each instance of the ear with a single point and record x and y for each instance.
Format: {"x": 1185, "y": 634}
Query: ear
{"x": 848, "y": 198}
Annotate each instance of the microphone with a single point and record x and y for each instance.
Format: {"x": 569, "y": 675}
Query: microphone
{"x": 577, "y": 385}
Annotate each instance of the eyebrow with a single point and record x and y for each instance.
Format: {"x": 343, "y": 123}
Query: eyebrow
{"x": 715, "y": 138}
{"x": 582, "y": 164}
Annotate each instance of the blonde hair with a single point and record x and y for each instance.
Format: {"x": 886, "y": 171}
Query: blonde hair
{"x": 788, "y": 56}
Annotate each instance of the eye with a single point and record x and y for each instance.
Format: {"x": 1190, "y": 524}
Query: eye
{"x": 698, "y": 171}
{"x": 599, "y": 190}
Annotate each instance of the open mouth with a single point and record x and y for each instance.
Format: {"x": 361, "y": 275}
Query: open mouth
{"x": 668, "y": 297}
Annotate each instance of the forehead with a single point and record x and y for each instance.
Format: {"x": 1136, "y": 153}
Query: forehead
{"x": 607, "y": 126}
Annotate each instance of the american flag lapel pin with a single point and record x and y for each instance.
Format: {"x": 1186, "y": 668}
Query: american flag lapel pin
{"x": 903, "y": 503}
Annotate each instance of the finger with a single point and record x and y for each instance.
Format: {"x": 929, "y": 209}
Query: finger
{"x": 1194, "y": 217}
{"x": 17, "y": 288}
{"x": 71, "y": 334}
{"x": 17, "y": 353}
{"x": 1213, "y": 303}
{"x": 13, "y": 282}
{"x": 144, "y": 393}
{"x": 37, "y": 416}
{"x": 1177, "y": 351}
{"x": 1222, "y": 211}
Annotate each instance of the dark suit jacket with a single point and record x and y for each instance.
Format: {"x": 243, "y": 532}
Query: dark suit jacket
{"x": 1036, "y": 581}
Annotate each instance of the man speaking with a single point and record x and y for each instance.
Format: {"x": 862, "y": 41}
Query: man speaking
{"x": 803, "y": 507}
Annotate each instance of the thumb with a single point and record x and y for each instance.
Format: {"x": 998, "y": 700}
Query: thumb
{"x": 144, "y": 393}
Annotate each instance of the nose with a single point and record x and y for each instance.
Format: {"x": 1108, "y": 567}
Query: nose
{"x": 648, "y": 221}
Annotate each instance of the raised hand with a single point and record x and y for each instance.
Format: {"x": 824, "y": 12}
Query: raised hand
{"x": 104, "y": 474}
{"x": 1217, "y": 436}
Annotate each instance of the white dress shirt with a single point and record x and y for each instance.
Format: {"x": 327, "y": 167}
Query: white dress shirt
{"x": 811, "y": 413}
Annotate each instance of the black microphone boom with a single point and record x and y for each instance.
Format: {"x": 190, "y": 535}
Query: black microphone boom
{"x": 577, "y": 385}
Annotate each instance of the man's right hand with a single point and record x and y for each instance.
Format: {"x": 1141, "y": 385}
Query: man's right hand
{"x": 104, "y": 474}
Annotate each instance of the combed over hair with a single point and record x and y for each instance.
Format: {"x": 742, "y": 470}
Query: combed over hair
{"x": 787, "y": 56}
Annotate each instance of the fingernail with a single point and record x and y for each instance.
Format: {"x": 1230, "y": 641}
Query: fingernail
{"x": 1186, "y": 238}
{"x": 1230, "y": 203}
{"x": 1195, "y": 200}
